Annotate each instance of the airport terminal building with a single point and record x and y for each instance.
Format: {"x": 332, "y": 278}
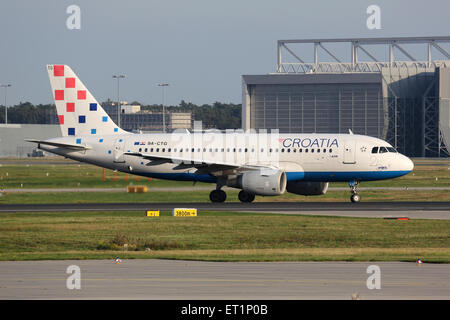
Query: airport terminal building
{"x": 403, "y": 102}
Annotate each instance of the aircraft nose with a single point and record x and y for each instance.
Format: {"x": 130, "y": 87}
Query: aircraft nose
{"x": 408, "y": 164}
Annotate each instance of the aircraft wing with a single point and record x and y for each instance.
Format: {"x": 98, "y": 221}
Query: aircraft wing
{"x": 215, "y": 168}
{"x": 77, "y": 147}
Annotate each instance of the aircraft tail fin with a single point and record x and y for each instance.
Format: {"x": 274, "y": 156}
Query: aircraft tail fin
{"x": 79, "y": 113}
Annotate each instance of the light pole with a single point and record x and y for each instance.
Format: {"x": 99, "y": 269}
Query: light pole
{"x": 163, "y": 85}
{"x": 6, "y": 107}
{"x": 118, "y": 77}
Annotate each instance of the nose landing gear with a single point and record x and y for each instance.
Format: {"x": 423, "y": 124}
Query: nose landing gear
{"x": 355, "y": 197}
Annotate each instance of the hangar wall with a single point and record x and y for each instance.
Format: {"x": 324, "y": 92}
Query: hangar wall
{"x": 12, "y": 138}
{"x": 406, "y": 103}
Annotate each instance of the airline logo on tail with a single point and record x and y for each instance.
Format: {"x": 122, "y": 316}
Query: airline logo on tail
{"x": 79, "y": 114}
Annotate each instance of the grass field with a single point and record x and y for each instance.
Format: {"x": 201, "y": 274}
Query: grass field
{"x": 69, "y": 174}
{"x": 220, "y": 236}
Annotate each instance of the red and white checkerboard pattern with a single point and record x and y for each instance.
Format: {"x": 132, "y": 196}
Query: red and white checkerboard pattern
{"x": 79, "y": 114}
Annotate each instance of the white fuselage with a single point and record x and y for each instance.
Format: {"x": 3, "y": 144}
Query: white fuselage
{"x": 307, "y": 157}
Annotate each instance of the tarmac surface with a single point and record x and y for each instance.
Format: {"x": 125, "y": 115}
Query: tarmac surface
{"x": 187, "y": 280}
{"x": 413, "y": 210}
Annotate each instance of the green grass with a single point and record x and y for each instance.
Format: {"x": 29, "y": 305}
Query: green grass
{"x": 217, "y": 236}
{"x": 13, "y": 176}
{"x": 220, "y": 236}
{"x": 38, "y": 175}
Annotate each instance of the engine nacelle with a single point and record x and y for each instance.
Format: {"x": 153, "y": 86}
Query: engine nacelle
{"x": 265, "y": 182}
{"x": 307, "y": 188}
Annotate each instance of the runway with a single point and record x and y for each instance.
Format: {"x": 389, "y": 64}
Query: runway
{"x": 187, "y": 280}
{"x": 413, "y": 210}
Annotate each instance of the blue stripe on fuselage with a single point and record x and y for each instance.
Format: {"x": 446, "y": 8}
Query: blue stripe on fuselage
{"x": 352, "y": 175}
{"x": 292, "y": 176}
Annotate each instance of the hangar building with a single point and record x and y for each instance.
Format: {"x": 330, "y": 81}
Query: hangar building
{"x": 405, "y": 102}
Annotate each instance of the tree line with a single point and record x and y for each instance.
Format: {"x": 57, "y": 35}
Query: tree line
{"x": 217, "y": 115}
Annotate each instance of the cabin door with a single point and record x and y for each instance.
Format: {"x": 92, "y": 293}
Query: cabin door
{"x": 350, "y": 152}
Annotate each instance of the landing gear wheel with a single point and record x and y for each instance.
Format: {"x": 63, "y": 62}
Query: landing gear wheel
{"x": 246, "y": 197}
{"x": 217, "y": 196}
{"x": 355, "y": 198}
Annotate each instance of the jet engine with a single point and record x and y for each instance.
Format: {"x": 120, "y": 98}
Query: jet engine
{"x": 307, "y": 188}
{"x": 264, "y": 182}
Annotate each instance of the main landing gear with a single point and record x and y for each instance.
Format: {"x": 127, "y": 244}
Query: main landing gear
{"x": 246, "y": 197}
{"x": 219, "y": 196}
{"x": 355, "y": 197}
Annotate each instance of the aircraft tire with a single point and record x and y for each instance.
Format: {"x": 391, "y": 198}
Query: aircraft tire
{"x": 355, "y": 198}
{"x": 217, "y": 196}
{"x": 246, "y": 197}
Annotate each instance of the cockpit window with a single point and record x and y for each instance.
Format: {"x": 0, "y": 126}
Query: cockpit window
{"x": 383, "y": 150}
{"x": 391, "y": 149}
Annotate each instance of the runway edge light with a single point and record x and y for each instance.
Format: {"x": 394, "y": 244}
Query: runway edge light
{"x": 152, "y": 213}
{"x": 184, "y": 212}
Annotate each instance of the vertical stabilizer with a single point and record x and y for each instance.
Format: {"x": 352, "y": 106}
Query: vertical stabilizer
{"x": 79, "y": 114}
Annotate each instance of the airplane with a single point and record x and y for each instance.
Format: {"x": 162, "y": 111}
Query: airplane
{"x": 257, "y": 163}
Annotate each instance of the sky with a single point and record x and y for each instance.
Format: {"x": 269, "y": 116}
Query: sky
{"x": 200, "y": 47}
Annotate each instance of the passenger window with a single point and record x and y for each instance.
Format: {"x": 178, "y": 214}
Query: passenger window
{"x": 375, "y": 150}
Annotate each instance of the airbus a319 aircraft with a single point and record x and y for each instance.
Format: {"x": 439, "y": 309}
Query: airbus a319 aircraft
{"x": 257, "y": 163}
